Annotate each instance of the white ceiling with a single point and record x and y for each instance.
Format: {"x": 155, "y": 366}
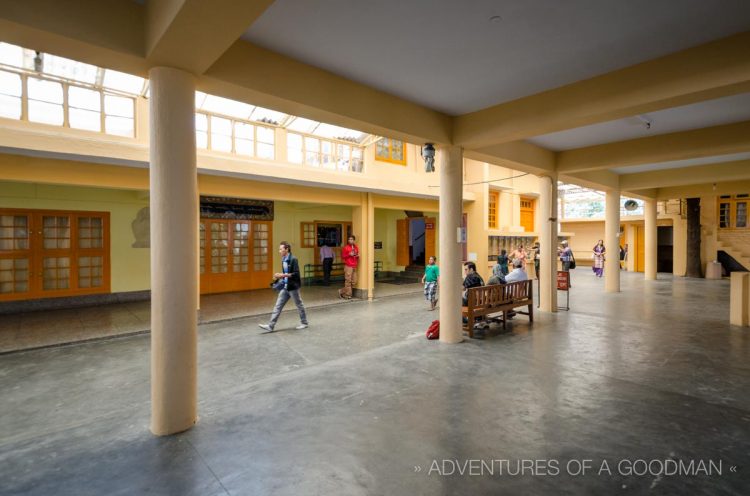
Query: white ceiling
{"x": 448, "y": 55}
{"x": 704, "y": 114}
{"x": 678, "y": 164}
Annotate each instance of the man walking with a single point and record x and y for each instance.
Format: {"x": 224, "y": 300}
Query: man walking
{"x": 288, "y": 289}
{"x": 326, "y": 258}
{"x": 350, "y": 255}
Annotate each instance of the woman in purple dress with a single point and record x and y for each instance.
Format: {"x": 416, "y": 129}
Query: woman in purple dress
{"x": 599, "y": 252}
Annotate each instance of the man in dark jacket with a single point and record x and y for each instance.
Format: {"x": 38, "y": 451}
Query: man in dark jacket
{"x": 290, "y": 288}
{"x": 471, "y": 280}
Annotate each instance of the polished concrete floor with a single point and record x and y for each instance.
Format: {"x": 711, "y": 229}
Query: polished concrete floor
{"x": 31, "y": 330}
{"x": 360, "y": 403}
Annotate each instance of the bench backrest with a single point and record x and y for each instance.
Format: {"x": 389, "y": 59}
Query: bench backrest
{"x": 499, "y": 294}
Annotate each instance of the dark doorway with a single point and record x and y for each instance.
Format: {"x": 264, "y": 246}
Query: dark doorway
{"x": 665, "y": 248}
{"x": 417, "y": 241}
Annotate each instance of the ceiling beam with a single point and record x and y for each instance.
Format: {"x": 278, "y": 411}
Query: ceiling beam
{"x": 518, "y": 155}
{"x": 193, "y": 34}
{"x": 249, "y": 73}
{"x": 599, "y": 180}
{"x": 738, "y": 170}
{"x": 706, "y": 189}
{"x": 108, "y": 34}
{"x": 707, "y": 142}
{"x": 713, "y": 70}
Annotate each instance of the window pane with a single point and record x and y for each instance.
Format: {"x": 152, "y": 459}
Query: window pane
{"x": 45, "y": 91}
{"x": 221, "y": 126}
{"x": 244, "y": 131}
{"x": 10, "y": 107}
{"x": 46, "y": 113}
{"x": 294, "y": 141}
{"x": 265, "y": 151}
{"x": 69, "y": 69}
{"x": 11, "y": 55}
{"x": 119, "y": 106}
{"x": 265, "y": 135}
{"x": 201, "y": 139}
{"x": 201, "y": 122}
{"x": 123, "y": 82}
{"x": 84, "y": 99}
{"x": 294, "y": 156}
{"x": 244, "y": 147}
{"x": 226, "y": 106}
{"x": 10, "y": 84}
{"x": 85, "y": 119}
{"x": 121, "y": 126}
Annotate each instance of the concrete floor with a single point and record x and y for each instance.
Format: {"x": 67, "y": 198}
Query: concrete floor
{"x": 353, "y": 404}
{"x": 26, "y": 331}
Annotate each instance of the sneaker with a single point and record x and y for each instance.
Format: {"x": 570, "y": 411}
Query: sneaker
{"x": 266, "y": 327}
{"x": 301, "y": 326}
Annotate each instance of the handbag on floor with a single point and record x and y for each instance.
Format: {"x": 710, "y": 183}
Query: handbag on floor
{"x": 433, "y": 332}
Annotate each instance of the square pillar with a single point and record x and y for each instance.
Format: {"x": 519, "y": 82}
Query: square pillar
{"x": 612, "y": 242}
{"x": 363, "y": 227}
{"x": 739, "y": 299}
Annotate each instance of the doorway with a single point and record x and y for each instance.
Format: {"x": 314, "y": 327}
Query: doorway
{"x": 665, "y": 248}
{"x": 417, "y": 242}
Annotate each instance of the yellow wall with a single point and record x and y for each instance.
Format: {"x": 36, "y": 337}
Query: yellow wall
{"x": 130, "y": 266}
{"x": 286, "y": 227}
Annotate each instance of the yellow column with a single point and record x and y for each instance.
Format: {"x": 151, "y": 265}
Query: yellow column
{"x": 548, "y": 243}
{"x": 739, "y": 299}
{"x": 612, "y": 241}
{"x": 363, "y": 226}
{"x": 451, "y": 269}
{"x": 649, "y": 216}
{"x": 174, "y": 255}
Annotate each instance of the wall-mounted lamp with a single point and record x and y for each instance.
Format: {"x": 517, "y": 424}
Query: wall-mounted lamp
{"x": 428, "y": 154}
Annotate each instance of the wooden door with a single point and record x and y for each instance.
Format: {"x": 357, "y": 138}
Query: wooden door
{"x": 402, "y": 242}
{"x": 53, "y": 253}
{"x": 430, "y": 228}
{"x": 640, "y": 249}
{"x": 527, "y": 214}
{"x": 234, "y": 255}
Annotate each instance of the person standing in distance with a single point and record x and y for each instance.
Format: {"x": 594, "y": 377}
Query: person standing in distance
{"x": 326, "y": 258}
{"x": 292, "y": 282}
{"x": 350, "y": 255}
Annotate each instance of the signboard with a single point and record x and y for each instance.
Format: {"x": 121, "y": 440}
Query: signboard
{"x": 378, "y": 245}
{"x": 563, "y": 280}
{"x": 429, "y": 225}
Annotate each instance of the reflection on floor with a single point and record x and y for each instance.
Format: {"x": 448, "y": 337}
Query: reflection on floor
{"x": 39, "y": 329}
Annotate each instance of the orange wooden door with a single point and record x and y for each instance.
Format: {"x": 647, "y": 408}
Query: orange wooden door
{"x": 53, "y": 253}
{"x": 261, "y": 262}
{"x": 430, "y": 228}
{"x": 402, "y": 242}
{"x": 527, "y": 214}
{"x": 640, "y": 249}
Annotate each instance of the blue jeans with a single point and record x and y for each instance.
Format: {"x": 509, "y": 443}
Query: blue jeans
{"x": 283, "y": 297}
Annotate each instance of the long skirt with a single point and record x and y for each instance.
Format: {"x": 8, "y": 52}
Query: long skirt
{"x": 430, "y": 291}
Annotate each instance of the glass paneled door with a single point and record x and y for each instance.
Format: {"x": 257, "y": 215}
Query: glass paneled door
{"x": 234, "y": 255}
{"x": 53, "y": 253}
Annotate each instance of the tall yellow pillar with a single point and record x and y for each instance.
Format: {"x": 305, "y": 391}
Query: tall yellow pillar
{"x": 548, "y": 229}
{"x": 612, "y": 242}
{"x": 451, "y": 269}
{"x": 174, "y": 253}
{"x": 649, "y": 216}
{"x": 363, "y": 227}
{"x": 739, "y": 299}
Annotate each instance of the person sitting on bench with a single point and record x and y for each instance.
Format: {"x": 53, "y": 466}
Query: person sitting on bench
{"x": 471, "y": 280}
{"x": 518, "y": 273}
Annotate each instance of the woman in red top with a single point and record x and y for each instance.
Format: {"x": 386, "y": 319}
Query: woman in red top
{"x": 350, "y": 255}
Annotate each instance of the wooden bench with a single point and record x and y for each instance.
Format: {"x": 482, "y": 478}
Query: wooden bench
{"x": 484, "y": 301}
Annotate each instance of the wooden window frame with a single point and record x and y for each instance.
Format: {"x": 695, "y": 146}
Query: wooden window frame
{"x": 390, "y": 158}
{"x": 492, "y": 216}
{"x": 303, "y": 239}
{"x": 733, "y": 201}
